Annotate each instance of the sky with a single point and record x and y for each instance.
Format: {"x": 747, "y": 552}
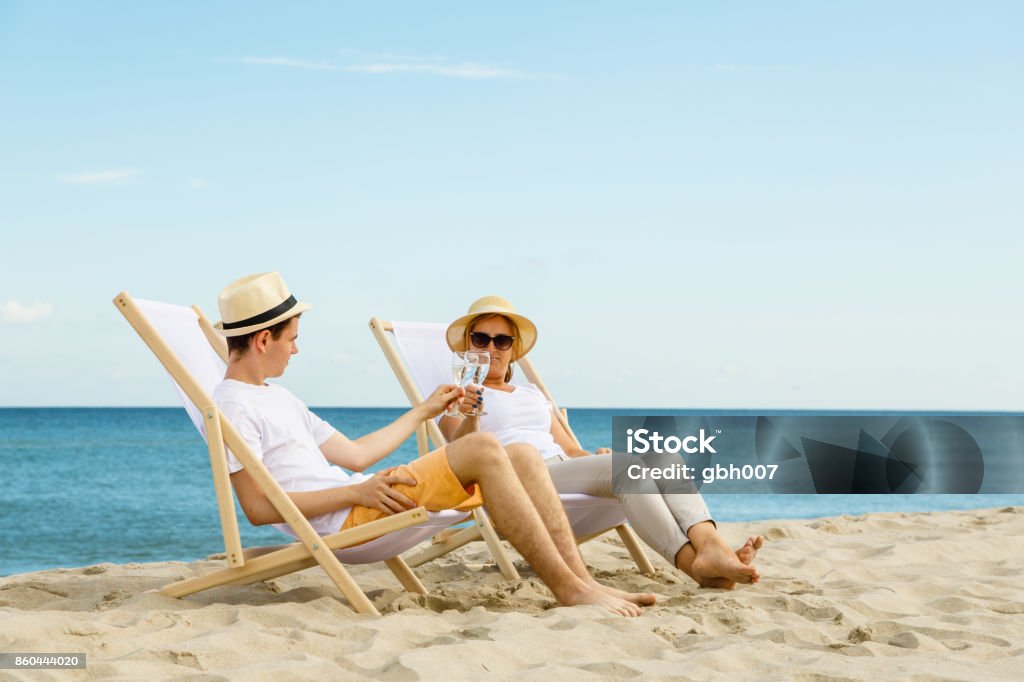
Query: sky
{"x": 701, "y": 205}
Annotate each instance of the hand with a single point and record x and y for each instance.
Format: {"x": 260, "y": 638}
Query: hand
{"x": 603, "y": 451}
{"x": 473, "y": 402}
{"x": 377, "y": 493}
{"x": 442, "y": 396}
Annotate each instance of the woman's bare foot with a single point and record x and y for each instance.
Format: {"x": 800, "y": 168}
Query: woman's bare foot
{"x": 718, "y": 566}
{"x": 638, "y": 598}
{"x": 748, "y": 551}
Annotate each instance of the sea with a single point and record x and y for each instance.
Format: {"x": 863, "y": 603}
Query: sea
{"x": 82, "y": 486}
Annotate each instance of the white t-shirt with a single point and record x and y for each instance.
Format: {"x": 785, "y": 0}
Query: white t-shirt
{"x": 282, "y": 432}
{"x": 522, "y": 416}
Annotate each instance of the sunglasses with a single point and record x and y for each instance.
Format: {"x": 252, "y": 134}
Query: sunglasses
{"x": 481, "y": 340}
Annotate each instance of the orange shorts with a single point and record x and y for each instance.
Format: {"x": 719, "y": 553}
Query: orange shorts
{"x": 437, "y": 489}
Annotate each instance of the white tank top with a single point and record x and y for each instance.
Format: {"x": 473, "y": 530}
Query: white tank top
{"x": 522, "y": 416}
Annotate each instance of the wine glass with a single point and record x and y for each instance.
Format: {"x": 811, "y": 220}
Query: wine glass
{"x": 480, "y": 361}
{"x": 462, "y": 372}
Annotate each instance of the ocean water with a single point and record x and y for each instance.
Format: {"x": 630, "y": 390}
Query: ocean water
{"x": 87, "y": 485}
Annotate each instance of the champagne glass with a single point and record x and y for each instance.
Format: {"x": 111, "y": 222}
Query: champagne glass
{"x": 462, "y": 372}
{"x": 480, "y": 361}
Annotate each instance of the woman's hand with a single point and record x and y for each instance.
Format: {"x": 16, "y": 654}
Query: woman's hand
{"x": 603, "y": 451}
{"x": 377, "y": 493}
{"x": 439, "y": 400}
{"x": 473, "y": 402}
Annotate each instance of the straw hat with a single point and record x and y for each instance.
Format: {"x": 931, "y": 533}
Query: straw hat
{"x": 256, "y": 302}
{"x": 456, "y": 334}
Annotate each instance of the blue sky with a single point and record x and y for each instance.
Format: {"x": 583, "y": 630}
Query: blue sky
{"x": 722, "y": 205}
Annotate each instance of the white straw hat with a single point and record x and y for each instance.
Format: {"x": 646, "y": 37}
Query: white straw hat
{"x": 456, "y": 334}
{"x": 256, "y": 302}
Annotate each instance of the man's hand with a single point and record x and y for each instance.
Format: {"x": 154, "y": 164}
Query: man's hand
{"x": 444, "y": 394}
{"x": 377, "y": 493}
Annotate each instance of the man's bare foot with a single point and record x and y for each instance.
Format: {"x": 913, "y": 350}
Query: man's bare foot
{"x": 588, "y": 595}
{"x": 638, "y": 598}
{"x": 718, "y": 566}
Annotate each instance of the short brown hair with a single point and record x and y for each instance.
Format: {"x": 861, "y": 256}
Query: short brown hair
{"x": 240, "y": 344}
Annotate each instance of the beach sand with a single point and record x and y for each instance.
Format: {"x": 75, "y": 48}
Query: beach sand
{"x": 934, "y": 596}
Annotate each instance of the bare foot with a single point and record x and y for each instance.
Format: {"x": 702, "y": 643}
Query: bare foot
{"x": 588, "y": 595}
{"x": 718, "y": 566}
{"x": 638, "y": 598}
{"x": 748, "y": 551}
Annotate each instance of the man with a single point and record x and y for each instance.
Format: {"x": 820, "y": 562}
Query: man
{"x": 260, "y": 319}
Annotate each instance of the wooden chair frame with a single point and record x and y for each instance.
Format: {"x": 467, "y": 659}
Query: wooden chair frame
{"x": 430, "y": 431}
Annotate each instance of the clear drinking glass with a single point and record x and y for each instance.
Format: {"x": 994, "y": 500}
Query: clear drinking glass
{"x": 462, "y": 372}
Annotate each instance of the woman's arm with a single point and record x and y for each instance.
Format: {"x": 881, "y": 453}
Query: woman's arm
{"x": 453, "y": 428}
{"x": 563, "y": 439}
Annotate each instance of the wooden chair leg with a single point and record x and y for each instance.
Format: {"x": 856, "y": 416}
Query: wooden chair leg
{"x": 632, "y": 543}
{"x": 405, "y": 575}
{"x": 501, "y": 557}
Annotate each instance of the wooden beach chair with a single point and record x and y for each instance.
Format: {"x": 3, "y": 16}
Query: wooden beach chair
{"x": 193, "y": 354}
{"x": 420, "y": 359}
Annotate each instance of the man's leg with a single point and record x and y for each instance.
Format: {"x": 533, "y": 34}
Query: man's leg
{"x": 479, "y": 458}
{"x": 534, "y": 475}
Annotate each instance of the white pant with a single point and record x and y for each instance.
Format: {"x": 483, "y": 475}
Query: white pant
{"x": 659, "y": 516}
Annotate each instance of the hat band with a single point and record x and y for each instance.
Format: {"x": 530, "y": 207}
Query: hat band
{"x": 277, "y": 310}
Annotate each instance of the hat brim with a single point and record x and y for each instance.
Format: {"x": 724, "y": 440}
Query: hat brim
{"x": 298, "y": 308}
{"x": 456, "y": 333}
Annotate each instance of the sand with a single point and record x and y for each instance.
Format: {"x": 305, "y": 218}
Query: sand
{"x": 902, "y": 596}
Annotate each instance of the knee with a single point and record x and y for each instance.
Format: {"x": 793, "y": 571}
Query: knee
{"x": 485, "y": 445}
{"x": 524, "y": 454}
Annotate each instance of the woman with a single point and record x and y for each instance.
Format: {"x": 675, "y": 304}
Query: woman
{"x": 676, "y": 525}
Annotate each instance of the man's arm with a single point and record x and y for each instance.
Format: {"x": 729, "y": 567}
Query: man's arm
{"x": 375, "y": 493}
{"x": 358, "y": 454}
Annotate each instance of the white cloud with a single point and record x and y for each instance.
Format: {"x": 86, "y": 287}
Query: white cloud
{"x": 464, "y": 70}
{"x": 197, "y": 183}
{"x": 22, "y": 313}
{"x": 435, "y": 67}
{"x": 98, "y": 177}
{"x": 293, "y": 63}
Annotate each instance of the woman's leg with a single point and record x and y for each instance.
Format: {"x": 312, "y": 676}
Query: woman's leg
{"x": 665, "y": 521}
{"x": 646, "y": 512}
